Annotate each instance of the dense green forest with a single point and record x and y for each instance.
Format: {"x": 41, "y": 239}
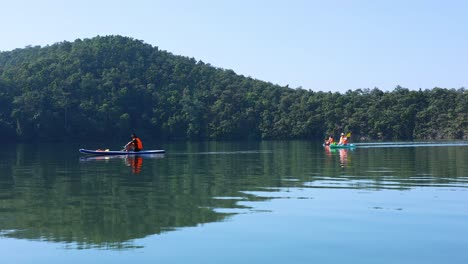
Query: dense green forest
{"x": 107, "y": 87}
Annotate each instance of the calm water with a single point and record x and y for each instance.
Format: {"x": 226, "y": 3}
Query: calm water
{"x": 263, "y": 202}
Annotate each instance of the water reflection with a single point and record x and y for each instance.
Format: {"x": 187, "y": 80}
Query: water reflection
{"x": 135, "y": 162}
{"x": 97, "y": 202}
{"x": 94, "y": 203}
{"x": 343, "y": 157}
{"x": 342, "y": 153}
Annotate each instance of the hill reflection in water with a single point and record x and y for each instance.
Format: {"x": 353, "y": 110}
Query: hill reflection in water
{"x": 109, "y": 203}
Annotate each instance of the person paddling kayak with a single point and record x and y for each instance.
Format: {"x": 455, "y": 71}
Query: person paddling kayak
{"x": 134, "y": 145}
{"x": 343, "y": 140}
{"x": 329, "y": 141}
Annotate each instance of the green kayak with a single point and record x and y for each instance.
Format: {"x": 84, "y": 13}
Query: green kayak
{"x": 336, "y": 146}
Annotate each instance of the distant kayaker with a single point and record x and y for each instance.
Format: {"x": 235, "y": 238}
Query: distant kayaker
{"x": 329, "y": 140}
{"x": 343, "y": 140}
{"x": 135, "y": 144}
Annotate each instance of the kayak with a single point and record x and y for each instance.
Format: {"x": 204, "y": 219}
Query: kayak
{"x": 120, "y": 152}
{"x": 335, "y": 146}
{"x": 109, "y": 157}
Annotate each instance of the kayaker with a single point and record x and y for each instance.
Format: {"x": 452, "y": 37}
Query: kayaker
{"x": 135, "y": 144}
{"x": 329, "y": 141}
{"x": 343, "y": 140}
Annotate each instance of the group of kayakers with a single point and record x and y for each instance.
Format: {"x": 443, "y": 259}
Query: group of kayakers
{"x": 343, "y": 139}
{"x": 136, "y": 145}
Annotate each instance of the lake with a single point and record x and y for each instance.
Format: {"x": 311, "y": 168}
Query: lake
{"x": 236, "y": 202}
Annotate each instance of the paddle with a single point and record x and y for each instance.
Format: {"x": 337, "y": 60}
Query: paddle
{"x": 124, "y": 148}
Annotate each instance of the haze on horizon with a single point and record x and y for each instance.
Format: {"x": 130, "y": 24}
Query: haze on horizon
{"x": 316, "y": 45}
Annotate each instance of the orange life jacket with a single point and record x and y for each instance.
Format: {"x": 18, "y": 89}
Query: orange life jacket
{"x": 139, "y": 144}
{"x": 343, "y": 140}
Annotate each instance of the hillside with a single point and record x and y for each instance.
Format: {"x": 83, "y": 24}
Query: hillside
{"x": 110, "y": 86}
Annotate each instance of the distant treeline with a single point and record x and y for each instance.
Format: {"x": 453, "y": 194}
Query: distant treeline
{"x": 107, "y": 87}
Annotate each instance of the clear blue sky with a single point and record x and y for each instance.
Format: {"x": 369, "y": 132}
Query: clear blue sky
{"x": 318, "y": 45}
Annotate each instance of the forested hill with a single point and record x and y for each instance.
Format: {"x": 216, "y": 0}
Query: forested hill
{"x": 107, "y": 87}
